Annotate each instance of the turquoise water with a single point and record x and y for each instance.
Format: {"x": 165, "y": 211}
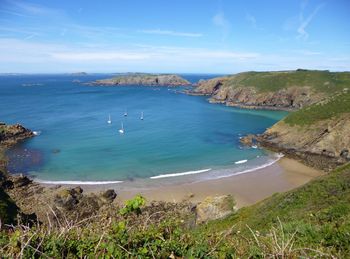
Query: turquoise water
{"x": 179, "y": 133}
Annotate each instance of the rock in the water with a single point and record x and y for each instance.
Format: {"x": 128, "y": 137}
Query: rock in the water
{"x": 11, "y": 134}
{"x": 109, "y": 195}
{"x": 215, "y": 208}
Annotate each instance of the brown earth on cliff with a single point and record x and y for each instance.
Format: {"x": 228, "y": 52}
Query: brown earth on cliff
{"x": 284, "y": 90}
{"x": 319, "y": 135}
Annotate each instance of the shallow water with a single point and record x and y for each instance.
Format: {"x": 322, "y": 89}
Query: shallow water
{"x": 179, "y": 133}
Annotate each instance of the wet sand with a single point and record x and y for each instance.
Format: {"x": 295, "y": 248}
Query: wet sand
{"x": 247, "y": 189}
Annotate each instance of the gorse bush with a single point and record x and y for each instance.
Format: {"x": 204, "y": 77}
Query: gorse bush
{"x": 133, "y": 205}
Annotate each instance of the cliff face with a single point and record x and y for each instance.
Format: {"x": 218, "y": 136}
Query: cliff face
{"x": 144, "y": 79}
{"x": 325, "y": 145}
{"x": 289, "y": 90}
{"x": 319, "y": 134}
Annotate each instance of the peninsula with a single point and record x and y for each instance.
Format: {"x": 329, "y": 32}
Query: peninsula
{"x": 311, "y": 220}
{"x": 144, "y": 80}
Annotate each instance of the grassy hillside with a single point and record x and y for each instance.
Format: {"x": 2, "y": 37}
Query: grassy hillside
{"x": 334, "y": 107}
{"x": 323, "y": 81}
{"x": 313, "y": 220}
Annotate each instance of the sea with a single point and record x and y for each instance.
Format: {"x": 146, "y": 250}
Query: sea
{"x": 180, "y": 136}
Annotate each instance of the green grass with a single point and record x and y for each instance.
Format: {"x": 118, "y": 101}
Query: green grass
{"x": 320, "y": 81}
{"x": 8, "y": 209}
{"x": 334, "y": 107}
{"x": 311, "y": 221}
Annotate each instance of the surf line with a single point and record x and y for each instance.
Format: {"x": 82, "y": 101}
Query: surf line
{"x": 180, "y": 174}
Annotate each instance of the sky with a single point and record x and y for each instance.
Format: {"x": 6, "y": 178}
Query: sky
{"x": 178, "y": 36}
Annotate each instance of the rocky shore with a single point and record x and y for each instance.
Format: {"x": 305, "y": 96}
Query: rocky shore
{"x": 324, "y": 145}
{"x": 144, "y": 80}
{"x": 29, "y": 202}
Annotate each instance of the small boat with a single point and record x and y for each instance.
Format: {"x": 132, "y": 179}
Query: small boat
{"x": 121, "y": 131}
{"x": 125, "y": 113}
{"x": 109, "y": 119}
{"x": 141, "y": 116}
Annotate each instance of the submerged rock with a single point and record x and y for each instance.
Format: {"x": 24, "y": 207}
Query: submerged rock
{"x": 214, "y": 208}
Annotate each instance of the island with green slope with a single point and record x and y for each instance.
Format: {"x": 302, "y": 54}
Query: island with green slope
{"x": 144, "y": 79}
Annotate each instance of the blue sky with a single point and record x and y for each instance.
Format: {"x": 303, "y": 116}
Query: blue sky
{"x": 180, "y": 36}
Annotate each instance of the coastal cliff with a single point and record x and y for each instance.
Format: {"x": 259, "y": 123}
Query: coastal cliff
{"x": 143, "y": 79}
{"x": 283, "y": 90}
{"x": 319, "y": 135}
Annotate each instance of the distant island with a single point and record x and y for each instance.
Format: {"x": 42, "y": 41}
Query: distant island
{"x": 79, "y": 74}
{"x": 143, "y": 79}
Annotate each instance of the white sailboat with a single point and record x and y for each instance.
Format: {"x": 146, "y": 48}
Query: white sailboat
{"x": 121, "y": 131}
{"x": 109, "y": 119}
{"x": 141, "y": 116}
{"x": 126, "y": 113}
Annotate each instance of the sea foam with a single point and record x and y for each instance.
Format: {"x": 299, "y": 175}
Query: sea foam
{"x": 180, "y": 174}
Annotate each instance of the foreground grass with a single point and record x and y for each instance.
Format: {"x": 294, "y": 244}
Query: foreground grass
{"x": 311, "y": 221}
{"x": 332, "y": 108}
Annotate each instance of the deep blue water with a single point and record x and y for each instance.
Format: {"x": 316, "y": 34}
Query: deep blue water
{"x": 179, "y": 133}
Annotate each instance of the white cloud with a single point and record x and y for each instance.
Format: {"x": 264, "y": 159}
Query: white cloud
{"x": 98, "y": 56}
{"x": 304, "y": 23}
{"x": 171, "y": 33}
{"x": 220, "y": 21}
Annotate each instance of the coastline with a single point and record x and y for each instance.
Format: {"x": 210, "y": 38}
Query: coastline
{"x": 247, "y": 189}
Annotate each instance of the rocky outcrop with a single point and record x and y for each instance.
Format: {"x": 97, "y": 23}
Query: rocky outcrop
{"x": 214, "y": 208}
{"x": 222, "y": 90}
{"x": 144, "y": 80}
{"x": 323, "y": 145}
{"x": 278, "y": 90}
{"x": 11, "y": 134}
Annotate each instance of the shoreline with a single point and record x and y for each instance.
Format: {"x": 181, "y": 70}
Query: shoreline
{"x": 247, "y": 189}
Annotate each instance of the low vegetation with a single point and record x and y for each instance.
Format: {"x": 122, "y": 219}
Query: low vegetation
{"x": 311, "y": 221}
{"x": 331, "y": 108}
{"x": 320, "y": 81}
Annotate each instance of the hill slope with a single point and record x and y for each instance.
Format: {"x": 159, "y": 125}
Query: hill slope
{"x": 319, "y": 134}
{"x": 144, "y": 79}
{"x": 274, "y": 90}
{"x": 311, "y": 221}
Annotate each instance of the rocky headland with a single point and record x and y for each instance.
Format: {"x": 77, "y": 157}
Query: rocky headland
{"x": 282, "y": 90}
{"x": 316, "y": 131}
{"x": 143, "y": 80}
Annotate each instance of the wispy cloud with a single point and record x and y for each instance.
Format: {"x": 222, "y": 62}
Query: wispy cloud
{"x": 251, "y": 19}
{"x": 171, "y": 33}
{"x": 222, "y": 23}
{"x": 304, "y": 22}
{"x": 26, "y": 8}
{"x": 98, "y": 56}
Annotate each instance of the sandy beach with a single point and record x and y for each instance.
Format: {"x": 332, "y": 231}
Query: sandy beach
{"x": 247, "y": 189}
